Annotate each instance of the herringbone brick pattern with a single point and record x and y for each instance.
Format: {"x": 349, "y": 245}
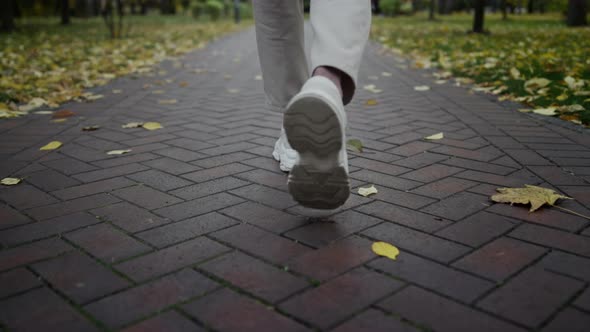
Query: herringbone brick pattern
{"x": 194, "y": 229}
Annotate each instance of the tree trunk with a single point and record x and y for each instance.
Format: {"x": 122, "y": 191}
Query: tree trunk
{"x": 7, "y": 12}
{"x": 431, "y": 10}
{"x": 478, "y": 17}
{"x": 442, "y": 4}
{"x": 576, "y": 13}
{"x": 65, "y": 12}
{"x": 530, "y": 6}
{"x": 504, "y": 10}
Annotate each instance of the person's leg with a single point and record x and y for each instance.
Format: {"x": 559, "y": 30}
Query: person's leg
{"x": 315, "y": 120}
{"x": 281, "y": 51}
{"x": 340, "y": 33}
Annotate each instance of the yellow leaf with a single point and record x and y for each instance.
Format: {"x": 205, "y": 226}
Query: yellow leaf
{"x": 515, "y": 73}
{"x": 117, "y": 91}
{"x": 545, "y": 111}
{"x": 152, "y": 125}
{"x": 90, "y": 128}
{"x": 372, "y": 88}
{"x": 10, "y": 181}
{"x": 536, "y": 196}
{"x": 386, "y": 74}
{"x": 51, "y": 146}
{"x": 354, "y": 145}
{"x": 59, "y": 120}
{"x": 132, "y": 125}
{"x": 385, "y": 249}
{"x": 368, "y": 191}
{"x": 233, "y": 90}
{"x": 371, "y": 102}
{"x": 536, "y": 83}
{"x": 167, "y": 101}
{"x": 258, "y": 77}
{"x": 118, "y": 152}
{"x": 435, "y": 136}
{"x": 422, "y": 88}
{"x": 562, "y": 97}
{"x": 158, "y": 92}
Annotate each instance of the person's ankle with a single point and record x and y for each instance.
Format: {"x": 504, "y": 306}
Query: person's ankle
{"x": 332, "y": 74}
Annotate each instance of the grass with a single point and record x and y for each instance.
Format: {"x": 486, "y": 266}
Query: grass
{"x": 515, "y": 51}
{"x": 46, "y": 63}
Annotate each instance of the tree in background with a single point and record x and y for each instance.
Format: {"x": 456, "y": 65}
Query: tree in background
{"x": 576, "y": 13}
{"x": 7, "y": 9}
{"x": 65, "y": 12}
{"x": 478, "y": 17}
{"x": 431, "y": 10}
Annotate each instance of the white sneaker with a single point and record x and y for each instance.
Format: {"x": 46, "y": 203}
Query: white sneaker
{"x": 284, "y": 153}
{"x": 315, "y": 124}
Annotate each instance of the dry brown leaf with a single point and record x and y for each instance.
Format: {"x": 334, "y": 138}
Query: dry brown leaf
{"x": 63, "y": 114}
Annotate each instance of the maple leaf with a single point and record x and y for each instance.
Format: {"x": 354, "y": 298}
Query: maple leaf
{"x": 536, "y": 196}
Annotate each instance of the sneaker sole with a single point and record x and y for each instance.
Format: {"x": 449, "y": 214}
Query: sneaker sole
{"x": 317, "y": 180}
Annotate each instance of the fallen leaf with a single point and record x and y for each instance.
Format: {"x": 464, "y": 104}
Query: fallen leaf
{"x": 167, "y": 101}
{"x": 536, "y": 196}
{"x": 227, "y": 76}
{"x": 386, "y": 74}
{"x": 545, "y": 111}
{"x": 233, "y": 90}
{"x": 183, "y": 84}
{"x": 385, "y": 249}
{"x": 152, "y": 125}
{"x": 59, "y": 120}
{"x": 525, "y": 110}
{"x": 132, "y": 125}
{"x": 515, "y": 73}
{"x": 440, "y": 81}
{"x": 10, "y": 181}
{"x": 51, "y": 146}
{"x": 158, "y": 92}
{"x": 63, "y": 114}
{"x": 372, "y": 102}
{"x": 435, "y": 136}
{"x": 118, "y": 152}
{"x": 368, "y": 191}
{"x": 372, "y": 88}
{"x": 536, "y": 83}
{"x": 354, "y": 145}
{"x": 422, "y": 88}
{"x": 90, "y": 128}
{"x": 43, "y": 112}
{"x": 258, "y": 77}
{"x": 117, "y": 91}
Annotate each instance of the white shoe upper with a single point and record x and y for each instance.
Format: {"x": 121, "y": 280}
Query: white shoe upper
{"x": 284, "y": 153}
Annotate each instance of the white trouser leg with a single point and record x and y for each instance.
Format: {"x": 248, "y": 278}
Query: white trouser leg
{"x": 340, "y": 32}
{"x": 281, "y": 49}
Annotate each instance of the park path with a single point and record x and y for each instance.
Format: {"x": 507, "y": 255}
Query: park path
{"x": 194, "y": 230}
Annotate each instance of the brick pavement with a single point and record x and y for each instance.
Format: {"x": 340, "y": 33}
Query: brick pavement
{"x": 194, "y": 230}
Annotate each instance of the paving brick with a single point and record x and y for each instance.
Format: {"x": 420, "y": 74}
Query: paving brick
{"x": 553, "y": 238}
{"x": 224, "y": 159}
{"x": 332, "y": 260}
{"x": 571, "y": 320}
{"x": 131, "y": 158}
{"x": 500, "y": 259}
{"x": 526, "y": 157}
{"x": 268, "y": 196}
{"x": 400, "y": 215}
{"x": 216, "y": 172}
{"x": 16, "y": 281}
{"x": 135, "y": 303}
{"x": 112, "y": 172}
{"x": 26, "y": 196}
{"x": 567, "y": 264}
{"x": 478, "y": 229}
{"x": 373, "y": 320}
{"x": 10, "y": 217}
{"x": 583, "y": 301}
{"x": 402, "y": 198}
{"x": 444, "y": 187}
{"x": 431, "y": 173}
{"x": 79, "y": 277}
{"x": 199, "y": 206}
{"x": 264, "y": 217}
{"x": 106, "y": 243}
{"x": 171, "y": 166}
{"x": 69, "y": 166}
{"x": 458, "y": 206}
{"x": 324, "y": 232}
{"x": 254, "y": 276}
{"x": 42, "y": 310}
{"x": 484, "y": 154}
{"x": 226, "y": 310}
{"x": 170, "y": 259}
{"x": 531, "y": 297}
{"x": 504, "y": 181}
{"x": 72, "y": 206}
{"x": 50, "y": 180}
{"x": 46, "y": 228}
{"x": 266, "y": 178}
{"x": 378, "y": 166}
{"x": 129, "y": 217}
{"x": 29, "y": 253}
{"x": 412, "y": 148}
{"x": 384, "y": 180}
{"x": 209, "y": 188}
{"x": 557, "y": 176}
{"x": 420, "y": 160}
{"x": 186, "y": 229}
{"x": 543, "y": 216}
{"x": 190, "y": 144}
{"x": 146, "y": 197}
{"x": 403, "y": 138}
{"x": 339, "y": 298}
{"x": 180, "y": 154}
{"x": 169, "y": 321}
{"x": 93, "y": 188}
{"x": 261, "y": 243}
{"x": 438, "y": 313}
{"x": 159, "y": 180}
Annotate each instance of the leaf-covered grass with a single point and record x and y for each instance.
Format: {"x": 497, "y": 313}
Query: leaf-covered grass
{"x": 56, "y": 63}
{"x": 515, "y": 51}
